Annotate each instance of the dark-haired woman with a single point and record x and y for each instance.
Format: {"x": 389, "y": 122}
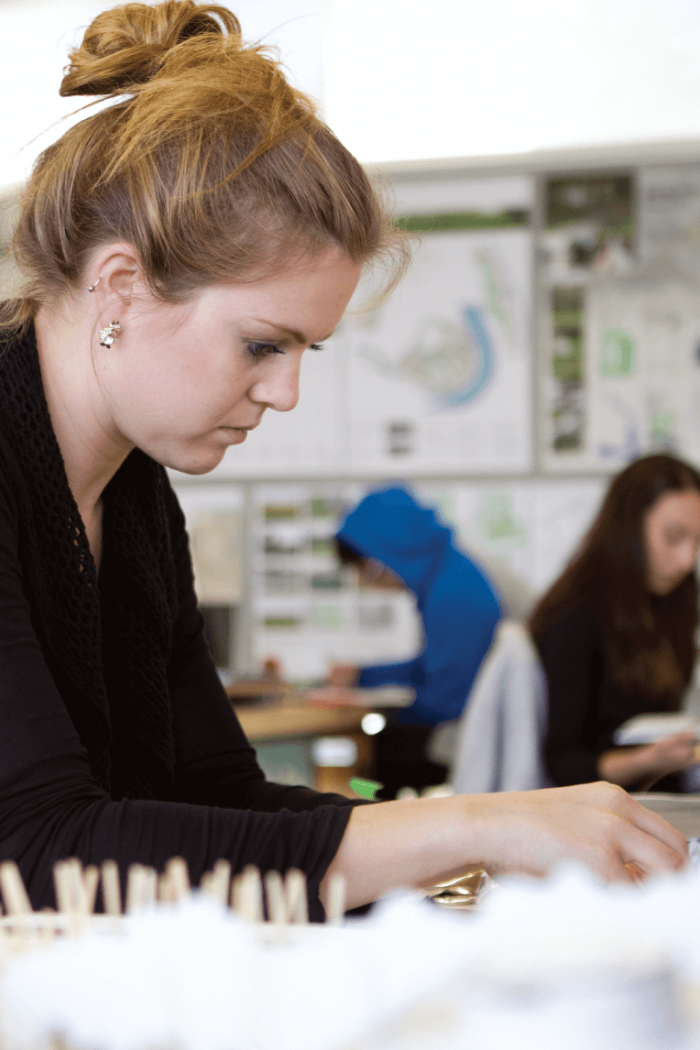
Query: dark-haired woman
{"x": 181, "y": 250}
{"x": 616, "y": 632}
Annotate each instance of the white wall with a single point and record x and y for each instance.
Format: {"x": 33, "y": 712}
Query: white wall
{"x": 402, "y": 79}
{"x": 456, "y": 78}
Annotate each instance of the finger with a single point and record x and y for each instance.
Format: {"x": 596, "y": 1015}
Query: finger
{"x": 635, "y": 871}
{"x": 649, "y": 854}
{"x": 647, "y": 821}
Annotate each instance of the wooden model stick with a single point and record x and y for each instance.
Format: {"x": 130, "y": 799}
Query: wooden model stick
{"x": 149, "y": 886}
{"x": 134, "y": 887}
{"x": 71, "y": 895}
{"x": 246, "y": 895}
{"x": 276, "y": 898}
{"x": 141, "y": 887}
{"x": 336, "y": 899}
{"x": 297, "y": 907}
{"x": 220, "y": 881}
{"x": 78, "y": 901}
{"x": 91, "y": 879}
{"x": 111, "y": 892}
{"x": 14, "y": 894}
{"x": 176, "y": 870}
{"x": 166, "y": 894}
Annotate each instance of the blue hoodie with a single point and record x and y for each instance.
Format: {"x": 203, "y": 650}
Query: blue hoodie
{"x": 457, "y": 604}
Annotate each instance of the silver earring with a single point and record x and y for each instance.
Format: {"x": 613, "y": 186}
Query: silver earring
{"x": 110, "y": 333}
{"x": 92, "y": 287}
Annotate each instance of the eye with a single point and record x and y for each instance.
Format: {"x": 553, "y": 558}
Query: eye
{"x": 256, "y": 349}
{"x": 317, "y": 346}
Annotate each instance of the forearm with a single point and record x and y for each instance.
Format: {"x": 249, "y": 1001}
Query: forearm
{"x": 411, "y": 842}
{"x": 650, "y": 762}
{"x": 408, "y": 672}
{"x": 417, "y": 842}
{"x": 624, "y": 766}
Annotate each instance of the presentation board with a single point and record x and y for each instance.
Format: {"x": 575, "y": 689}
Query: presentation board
{"x": 619, "y": 291}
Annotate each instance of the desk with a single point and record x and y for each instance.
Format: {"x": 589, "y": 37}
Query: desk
{"x": 278, "y": 718}
{"x": 283, "y": 727}
{"x": 285, "y": 723}
{"x": 683, "y": 811}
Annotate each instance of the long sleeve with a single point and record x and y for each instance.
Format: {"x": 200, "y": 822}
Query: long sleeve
{"x": 573, "y": 663}
{"x": 585, "y": 705}
{"x": 51, "y": 806}
{"x": 407, "y": 672}
{"x": 459, "y": 618}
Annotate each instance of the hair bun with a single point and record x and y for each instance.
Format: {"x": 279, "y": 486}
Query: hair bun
{"x": 125, "y": 47}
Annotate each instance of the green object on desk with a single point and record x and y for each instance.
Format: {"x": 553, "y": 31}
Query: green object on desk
{"x": 365, "y": 788}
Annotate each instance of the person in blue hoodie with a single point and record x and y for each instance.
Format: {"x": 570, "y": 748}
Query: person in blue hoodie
{"x": 394, "y": 540}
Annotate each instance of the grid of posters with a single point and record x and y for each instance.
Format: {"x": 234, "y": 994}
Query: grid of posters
{"x": 301, "y": 608}
{"x": 619, "y": 294}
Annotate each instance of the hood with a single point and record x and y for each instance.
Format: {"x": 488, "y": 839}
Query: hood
{"x": 391, "y": 526}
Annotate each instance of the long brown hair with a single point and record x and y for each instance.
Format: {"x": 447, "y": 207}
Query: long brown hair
{"x": 208, "y": 162}
{"x": 650, "y": 640}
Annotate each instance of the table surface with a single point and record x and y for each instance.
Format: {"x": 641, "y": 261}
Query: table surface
{"x": 277, "y": 718}
{"x": 286, "y": 711}
{"x": 683, "y": 811}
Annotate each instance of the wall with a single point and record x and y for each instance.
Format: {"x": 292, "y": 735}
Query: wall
{"x": 549, "y": 331}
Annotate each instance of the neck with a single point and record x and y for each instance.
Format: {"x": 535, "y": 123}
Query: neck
{"x": 91, "y": 448}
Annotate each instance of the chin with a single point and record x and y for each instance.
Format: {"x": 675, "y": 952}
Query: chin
{"x": 195, "y": 465}
{"x": 662, "y": 589}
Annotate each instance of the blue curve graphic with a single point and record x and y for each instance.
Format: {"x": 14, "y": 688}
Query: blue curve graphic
{"x": 484, "y": 371}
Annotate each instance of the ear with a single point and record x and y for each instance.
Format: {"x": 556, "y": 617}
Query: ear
{"x": 116, "y": 276}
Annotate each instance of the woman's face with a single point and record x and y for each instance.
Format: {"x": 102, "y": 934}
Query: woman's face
{"x": 671, "y": 530}
{"x": 185, "y": 381}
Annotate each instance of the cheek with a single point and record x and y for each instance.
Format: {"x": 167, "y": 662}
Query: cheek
{"x": 659, "y": 555}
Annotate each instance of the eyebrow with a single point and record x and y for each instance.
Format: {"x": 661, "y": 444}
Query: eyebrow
{"x": 298, "y": 337}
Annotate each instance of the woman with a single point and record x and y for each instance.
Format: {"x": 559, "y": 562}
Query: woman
{"x": 181, "y": 250}
{"x": 616, "y": 632}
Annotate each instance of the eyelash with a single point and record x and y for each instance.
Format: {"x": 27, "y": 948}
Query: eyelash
{"x": 261, "y": 349}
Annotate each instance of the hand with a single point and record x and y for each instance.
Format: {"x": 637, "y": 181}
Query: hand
{"x": 343, "y": 674}
{"x": 598, "y": 825}
{"x": 271, "y": 668}
{"x": 332, "y": 696}
{"x": 673, "y": 753}
{"x": 647, "y": 764}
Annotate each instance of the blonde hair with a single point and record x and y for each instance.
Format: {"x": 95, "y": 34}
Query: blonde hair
{"x": 212, "y": 166}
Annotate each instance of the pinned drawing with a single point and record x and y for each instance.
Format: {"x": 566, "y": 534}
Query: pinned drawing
{"x": 449, "y": 351}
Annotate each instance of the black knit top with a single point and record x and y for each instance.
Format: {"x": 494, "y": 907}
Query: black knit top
{"x": 118, "y": 740}
{"x": 585, "y": 706}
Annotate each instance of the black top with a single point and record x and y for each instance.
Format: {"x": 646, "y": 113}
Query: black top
{"x": 585, "y": 705}
{"x": 118, "y": 740}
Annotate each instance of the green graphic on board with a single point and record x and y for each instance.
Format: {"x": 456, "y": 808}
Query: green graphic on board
{"x": 617, "y": 354}
{"x": 465, "y": 220}
{"x": 498, "y": 525}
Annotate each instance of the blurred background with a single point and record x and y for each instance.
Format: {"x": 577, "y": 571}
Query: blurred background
{"x": 549, "y": 331}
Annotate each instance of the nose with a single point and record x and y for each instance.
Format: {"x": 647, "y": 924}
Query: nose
{"x": 278, "y": 386}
